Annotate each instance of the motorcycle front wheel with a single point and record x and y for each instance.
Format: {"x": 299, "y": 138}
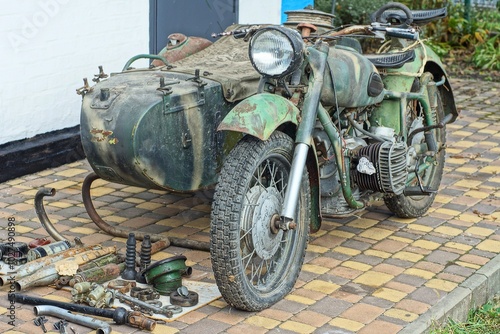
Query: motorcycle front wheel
{"x": 256, "y": 265}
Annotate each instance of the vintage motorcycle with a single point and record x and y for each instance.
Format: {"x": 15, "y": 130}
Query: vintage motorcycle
{"x": 292, "y": 123}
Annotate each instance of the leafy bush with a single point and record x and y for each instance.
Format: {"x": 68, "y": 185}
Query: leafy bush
{"x": 350, "y": 12}
{"x": 477, "y": 39}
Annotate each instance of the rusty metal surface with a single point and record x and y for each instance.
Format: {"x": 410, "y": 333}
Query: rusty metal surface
{"x": 180, "y": 46}
{"x": 122, "y": 142}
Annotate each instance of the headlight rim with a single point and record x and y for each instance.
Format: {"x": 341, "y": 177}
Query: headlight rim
{"x": 296, "y": 43}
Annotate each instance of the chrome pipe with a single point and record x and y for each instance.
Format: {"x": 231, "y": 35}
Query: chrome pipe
{"x": 102, "y": 327}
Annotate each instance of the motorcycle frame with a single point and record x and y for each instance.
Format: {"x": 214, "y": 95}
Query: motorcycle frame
{"x": 269, "y": 109}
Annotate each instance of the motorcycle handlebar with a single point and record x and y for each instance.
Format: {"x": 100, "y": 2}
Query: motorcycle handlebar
{"x": 402, "y": 33}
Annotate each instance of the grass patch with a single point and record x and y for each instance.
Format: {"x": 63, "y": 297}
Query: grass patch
{"x": 483, "y": 320}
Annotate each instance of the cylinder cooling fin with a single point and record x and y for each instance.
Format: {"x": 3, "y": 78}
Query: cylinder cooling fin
{"x": 381, "y": 167}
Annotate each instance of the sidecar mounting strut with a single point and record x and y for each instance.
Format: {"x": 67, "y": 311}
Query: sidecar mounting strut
{"x": 123, "y": 233}
{"x": 114, "y": 231}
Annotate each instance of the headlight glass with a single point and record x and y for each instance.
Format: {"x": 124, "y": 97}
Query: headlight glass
{"x": 276, "y": 51}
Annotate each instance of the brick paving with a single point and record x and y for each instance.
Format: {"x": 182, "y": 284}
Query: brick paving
{"x": 372, "y": 273}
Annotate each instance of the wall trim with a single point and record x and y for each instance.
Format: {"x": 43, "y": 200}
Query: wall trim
{"x": 43, "y": 151}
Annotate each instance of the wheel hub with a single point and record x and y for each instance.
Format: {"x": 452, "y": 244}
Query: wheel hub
{"x": 266, "y": 243}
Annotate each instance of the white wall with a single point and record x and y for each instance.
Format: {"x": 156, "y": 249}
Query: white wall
{"x": 259, "y": 11}
{"x": 48, "y": 46}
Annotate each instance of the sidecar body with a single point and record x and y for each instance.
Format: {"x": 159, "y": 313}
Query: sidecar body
{"x": 156, "y": 127}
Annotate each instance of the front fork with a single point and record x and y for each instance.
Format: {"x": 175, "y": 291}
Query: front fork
{"x": 318, "y": 55}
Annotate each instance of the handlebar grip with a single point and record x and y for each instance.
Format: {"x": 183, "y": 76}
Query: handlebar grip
{"x": 402, "y": 33}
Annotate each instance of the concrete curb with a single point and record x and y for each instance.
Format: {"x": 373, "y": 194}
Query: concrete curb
{"x": 475, "y": 291}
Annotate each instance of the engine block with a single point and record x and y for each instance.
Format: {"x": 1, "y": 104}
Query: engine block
{"x": 381, "y": 167}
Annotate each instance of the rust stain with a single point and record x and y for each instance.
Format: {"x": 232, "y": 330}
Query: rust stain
{"x": 100, "y": 135}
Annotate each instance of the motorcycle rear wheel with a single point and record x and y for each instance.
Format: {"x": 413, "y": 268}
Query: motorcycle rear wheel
{"x": 254, "y": 264}
{"x": 416, "y": 206}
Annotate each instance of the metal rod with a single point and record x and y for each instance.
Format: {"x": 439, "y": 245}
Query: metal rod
{"x": 342, "y": 165}
{"x": 123, "y": 233}
{"x": 102, "y": 327}
{"x": 42, "y": 215}
{"x": 119, "y": 315}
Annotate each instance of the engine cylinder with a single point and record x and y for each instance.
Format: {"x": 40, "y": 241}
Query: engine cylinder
{"x": 389, "y": 166}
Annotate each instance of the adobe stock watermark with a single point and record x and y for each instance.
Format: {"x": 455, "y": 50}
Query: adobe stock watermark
{"x": 11, "y": 239}
{"x": 30, "y": 27}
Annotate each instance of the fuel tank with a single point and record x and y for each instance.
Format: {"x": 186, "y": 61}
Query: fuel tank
{"x": 352, "y": 78}
{"x": 155, "y": 129}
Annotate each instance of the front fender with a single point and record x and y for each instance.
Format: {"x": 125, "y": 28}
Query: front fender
{"x": 259, "y": 115}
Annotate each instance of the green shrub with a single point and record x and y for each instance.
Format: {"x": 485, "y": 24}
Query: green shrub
{"x": 350, "y": 12}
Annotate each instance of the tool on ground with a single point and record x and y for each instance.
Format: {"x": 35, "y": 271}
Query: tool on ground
{"x": 145, "y": 258}
{"x": 98, "y": 274}
{"x": 92, "y": 294}
{"x": 61, "y": 326}
{"x": 14, "y": 253}
{"x": 183, "y": 297}
{"x": 102, "y": 261}
{"x": 145, "y": 307}
{"x": 31, "y": 267}
{"x": 119, "y": 315}
{"x": 121, "y": 285}
{"x": 102, "y": 327}
{"x": 38, "y": 242}
{"x": 40, "y": 321}
{"x": 130, "y": 272}
{"x": 49, "y": 249}
{"x": 50, "y": 273}
{"x": 144, "y": 294}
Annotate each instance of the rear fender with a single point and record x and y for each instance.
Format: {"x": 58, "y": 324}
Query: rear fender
{"x": 260, "y": 115}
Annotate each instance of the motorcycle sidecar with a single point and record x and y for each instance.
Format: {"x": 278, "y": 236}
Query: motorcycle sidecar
{"x": 156, "y": 127}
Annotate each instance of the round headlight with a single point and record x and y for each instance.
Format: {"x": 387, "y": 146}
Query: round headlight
{"x": 276, "y": 51}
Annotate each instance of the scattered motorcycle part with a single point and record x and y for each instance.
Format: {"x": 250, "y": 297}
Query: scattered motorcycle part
{"x": 61, "y": 326}
{"x": 38, "y": 242}
{"x": 121, "y": 285}
{"x": 62, "y": 281}
{"x": 49, "y": 274}
{"x": 119, "y": 315}
{"x": 49, "y": 249}
{"x": 92, "y": 294}
{"x": 142, "y": 305}
{"x": 166, "y": 275}
{"x": 102, "y": 327}
{"x": 183, "y": 297}
{"x": 40, "y": 321}
{"x": 98, "y": 274}
{"x": 33, "y": 266}
{"x": 130, "y": 272}
{"x": 144, "y": 294}
{"x": 42, "y": 215}
{"x": 102, "y": 261}
{"x": 118, "y": 232}
{"x": 175, "y": 309}
{"x": 136, "y": 319}
{"x": 14, "y": 253}
{"x": 145, "y": 258}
